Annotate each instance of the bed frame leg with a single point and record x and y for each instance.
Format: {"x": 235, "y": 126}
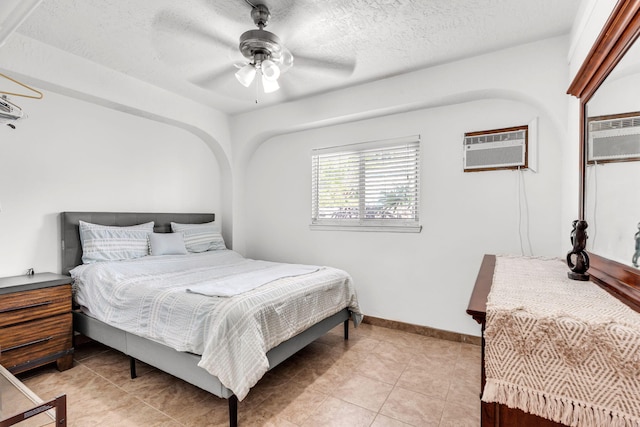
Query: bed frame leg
{"x": 233, "y": 411}
{"x": 132, "y": 367}
{"x": 346, "y": 329}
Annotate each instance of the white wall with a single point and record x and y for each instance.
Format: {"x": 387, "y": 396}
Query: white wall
{"x": 54, "y": 71}
{"x": 534, "y": 74}
{"x": 71, "y": 155}
{"x": 591, "y": 17}
{"x": 424, "y": 278}
{"x": 465, "y": 215}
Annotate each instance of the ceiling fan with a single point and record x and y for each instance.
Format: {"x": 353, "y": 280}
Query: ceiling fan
{"x": 265, "y": 52}
{"x": 264, "y": 55}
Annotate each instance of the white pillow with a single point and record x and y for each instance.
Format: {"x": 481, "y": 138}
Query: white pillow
{"x": 200, "y": 237}
{"x": 166, "y": 244}
{"x": 112, "y": 243}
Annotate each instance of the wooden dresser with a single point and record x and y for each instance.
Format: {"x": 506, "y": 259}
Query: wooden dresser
{"x": 35, "y": 322}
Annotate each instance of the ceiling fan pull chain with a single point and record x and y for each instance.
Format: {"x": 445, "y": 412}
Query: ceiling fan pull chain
{"x": 257, "y": 91}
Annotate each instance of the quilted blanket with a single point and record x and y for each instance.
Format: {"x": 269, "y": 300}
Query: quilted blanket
{"x": 148, "y": 297}
{"x": 561, "y": 349}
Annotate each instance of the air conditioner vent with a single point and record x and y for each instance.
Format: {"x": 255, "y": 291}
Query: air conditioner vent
{"x": 622, "y": 123}
{"x": 497, "y": 149}
{"x": 614, "y": 139}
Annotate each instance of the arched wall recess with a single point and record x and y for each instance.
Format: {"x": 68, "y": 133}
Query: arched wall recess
{"x": 453, "y": 99}
{"x": 210, "y": 141}
{"x": 243, "y": 156}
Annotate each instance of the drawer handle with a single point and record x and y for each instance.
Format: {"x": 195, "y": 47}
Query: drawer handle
{"x": 16, "y": 347}
{"x": 24, "y": 307}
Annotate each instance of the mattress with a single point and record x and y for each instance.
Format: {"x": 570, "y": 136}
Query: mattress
{"x": 163, "y": 299}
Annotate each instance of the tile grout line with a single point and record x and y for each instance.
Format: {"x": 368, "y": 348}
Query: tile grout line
{"x": 446, "y": 399}
{"x": 131, "y": 395}
{"x": 390, "y": 349}
{"x": 395, "y": 385}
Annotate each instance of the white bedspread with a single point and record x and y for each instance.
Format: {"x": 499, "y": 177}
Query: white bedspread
{"x": 148, "y": 297}
{"x": 251, "y": 276}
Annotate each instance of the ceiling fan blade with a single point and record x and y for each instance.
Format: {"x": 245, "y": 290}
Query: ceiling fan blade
{"x": 286, "y": 91}
{"x": 339, "y": 66}
{"x": 182, "y": 25}
{"x": 213, "y": 80}
{"x": 297, "y": 20}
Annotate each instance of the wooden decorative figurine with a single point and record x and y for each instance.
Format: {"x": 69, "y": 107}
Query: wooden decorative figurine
{"x": 579, "y": 242}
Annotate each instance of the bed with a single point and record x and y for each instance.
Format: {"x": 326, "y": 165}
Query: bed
{"x": 158, "y": 350}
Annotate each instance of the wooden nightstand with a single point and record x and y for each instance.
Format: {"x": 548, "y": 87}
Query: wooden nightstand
{"x": 35, "y": 322}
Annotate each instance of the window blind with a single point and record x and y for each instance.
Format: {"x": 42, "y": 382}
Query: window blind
{"x": 367, "y": 184}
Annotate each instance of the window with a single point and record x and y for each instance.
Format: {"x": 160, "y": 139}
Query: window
{"x": 367, "y": 186}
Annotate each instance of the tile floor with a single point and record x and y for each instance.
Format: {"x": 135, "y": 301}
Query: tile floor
{"x": 379, "y": 377}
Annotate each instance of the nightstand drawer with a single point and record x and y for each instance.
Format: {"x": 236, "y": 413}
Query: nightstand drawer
{"x": 29, "y": 342}
{"x": 23, "y": 306}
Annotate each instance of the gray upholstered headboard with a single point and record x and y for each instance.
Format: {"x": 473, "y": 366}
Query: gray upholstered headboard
{"x": 72, "y": 249}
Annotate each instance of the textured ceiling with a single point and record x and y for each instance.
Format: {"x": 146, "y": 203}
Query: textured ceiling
{"x": 190, "y": 46}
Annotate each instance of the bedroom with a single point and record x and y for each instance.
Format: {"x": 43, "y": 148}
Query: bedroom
{"x": 101, "y": 140}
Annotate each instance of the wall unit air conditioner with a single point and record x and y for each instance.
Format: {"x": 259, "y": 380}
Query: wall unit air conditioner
{"x": 614, "y": 138}
{"x": 496, "y": 149}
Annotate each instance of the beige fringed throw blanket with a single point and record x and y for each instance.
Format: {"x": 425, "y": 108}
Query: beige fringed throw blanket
{"x": 561, "y": 349}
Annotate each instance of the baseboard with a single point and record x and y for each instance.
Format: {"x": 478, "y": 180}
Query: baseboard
{"x": 422, "y": 330}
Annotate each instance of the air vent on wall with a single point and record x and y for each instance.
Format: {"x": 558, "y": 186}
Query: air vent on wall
{"x": 614, "y": 138}
{"x": 9, "y": 111}
{"x": 496, "y": 149}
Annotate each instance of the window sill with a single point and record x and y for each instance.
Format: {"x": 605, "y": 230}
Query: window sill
{"x": 371, "y": 228}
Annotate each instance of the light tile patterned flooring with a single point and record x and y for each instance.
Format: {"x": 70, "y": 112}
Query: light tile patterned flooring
{"x": 379, "y": 377}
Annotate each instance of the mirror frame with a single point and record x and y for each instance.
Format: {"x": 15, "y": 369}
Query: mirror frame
{"x": 619, "y": 33}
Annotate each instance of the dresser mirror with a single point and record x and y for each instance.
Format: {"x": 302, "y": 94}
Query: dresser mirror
{"x": 612, "y": 171}
{"x": 608, "y": 86}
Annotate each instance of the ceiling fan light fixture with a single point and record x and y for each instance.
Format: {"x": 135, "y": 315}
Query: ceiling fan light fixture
{"x": 246, "y": 74}
{"x": 270, "y": 70}
{"x": 286, "y": 59}
{"x": 269, "y": 86}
